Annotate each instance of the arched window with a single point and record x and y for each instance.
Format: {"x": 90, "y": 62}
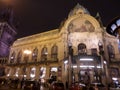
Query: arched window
{"x": 26, "y": 57}
{"x": 24, "y": 71}
{"x": 111, "y": 51}
{"x": 35, "y": 54}
{"x": 12, "y": 58}
{"x": 82, "y": 48}
{"x": 19, "y": 57}
{"x": 44, "y": 54}
{"x": 54, "y": 52}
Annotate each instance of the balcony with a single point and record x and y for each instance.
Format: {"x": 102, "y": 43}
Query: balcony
{"x": 49, "y": 61}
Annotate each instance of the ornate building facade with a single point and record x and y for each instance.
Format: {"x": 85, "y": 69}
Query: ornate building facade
{"x": 7, "y": 36}
{"x": 80, "y": 45}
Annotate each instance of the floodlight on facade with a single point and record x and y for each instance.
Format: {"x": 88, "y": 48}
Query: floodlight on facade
{"x": 27, "y": 52}
{"x": 86, "y": 59}
{"x": 65, "y": 62}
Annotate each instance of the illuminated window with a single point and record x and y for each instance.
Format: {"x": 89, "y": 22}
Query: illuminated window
{"x": 35, "y": 54}
{"x": 44, "y": 54}
{"x": 113, "y": 27}
{"x": 118, "y": 22}
{"x": 119, "y": 45}
{"x": 32, "y": 74}
{"x": 54, "y": 52}
{"x": 42, "y": 72}
{"x": 17, "y": 72}
{"x": 82, "y": 48}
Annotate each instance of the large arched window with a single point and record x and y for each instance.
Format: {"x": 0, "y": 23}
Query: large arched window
{"x": 54, "y": 52}
{"x": 82, "y": 48}
{"x": 111, "y": 51}
{"x": 44, "y": 54}
{"x": 24, "y": 71}
{"x": 35, "y": 54}
{"x": 12, "y": 58}
{"x": 26, "y": 57}
{"x": 19, "y": 57}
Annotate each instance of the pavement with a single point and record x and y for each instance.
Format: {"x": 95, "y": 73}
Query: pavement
{"x": 8, "y": 88}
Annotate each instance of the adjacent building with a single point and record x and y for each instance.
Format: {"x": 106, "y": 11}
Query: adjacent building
{"x": 7, "y": 36}
{"x": 80, "y": 45}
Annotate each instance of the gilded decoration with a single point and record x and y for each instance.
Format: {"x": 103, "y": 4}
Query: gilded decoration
{"x": 81, "y": 26}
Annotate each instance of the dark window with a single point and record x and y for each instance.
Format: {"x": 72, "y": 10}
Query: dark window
{"x": 111, "y": 51}
{"x": 82, "y": 48}
{"x": 44, "y": 54}
{"x": 94, "y": 51}
{"x": 26, "y": 57}
{"x": 24, "y": 71}
{"x": 35, "y": 54}
{"x": 19, "y": 57}
{"x": 54, "y": 52}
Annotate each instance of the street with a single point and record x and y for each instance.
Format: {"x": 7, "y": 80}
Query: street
{"x": 8, "y": 88}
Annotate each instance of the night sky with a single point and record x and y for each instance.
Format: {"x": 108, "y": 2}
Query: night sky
{"x": 35, "y": 16}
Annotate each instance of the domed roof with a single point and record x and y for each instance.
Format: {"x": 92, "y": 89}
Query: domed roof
{"x": 78, "y": 9}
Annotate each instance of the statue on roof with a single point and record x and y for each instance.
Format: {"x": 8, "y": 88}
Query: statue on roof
{"x": 78, "y": 9}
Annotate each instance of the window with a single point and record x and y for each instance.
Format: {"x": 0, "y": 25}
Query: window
{"x": 24, "y": 71}
{"x": 54, "y": 52}
{"x": 19, "y": 57}
{"x": 44, "y": 54}
{"x": 26, "y": 57}
{"x": 82, "y": 48}
{"x": 111, "y": 51}
{"x": 12, "y": 58}
{"x": 94, "y": 51}
{"x": 118, "y": 41}
{"x": 35, "y": 54}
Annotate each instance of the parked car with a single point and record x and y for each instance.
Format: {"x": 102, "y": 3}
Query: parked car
{"x": 57, "y": 86}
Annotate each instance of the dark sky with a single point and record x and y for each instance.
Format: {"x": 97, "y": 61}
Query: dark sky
{"x": 35, "y": 16}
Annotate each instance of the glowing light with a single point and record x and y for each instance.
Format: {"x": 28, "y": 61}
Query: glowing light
{"x": 43, "y": 70}
{"x": 75, "y": 66}
{"x": 54, "y": 69}
{"x": 113, "y": 27}
{"x": 105, "y": 62}
{"x": 114, "y": 78}
{"x": 65, "y": 62}
{"x": 86, "y": 59}
{"x": 8, "y": 75}
{"x": 27, "y": 52}
{"x": 32, "y": 75}
{"x": 118, "y": 22}
{"x": 84, "y": 66}
{"x": 25, "y": 75}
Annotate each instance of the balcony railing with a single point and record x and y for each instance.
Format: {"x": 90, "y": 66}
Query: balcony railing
{"x": 35, "y": 62}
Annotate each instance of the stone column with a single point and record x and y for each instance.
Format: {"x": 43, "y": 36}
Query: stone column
{"x": 37, "y": 73}
{"x": 28, "y": 72}
{"x": 47, "y": 72}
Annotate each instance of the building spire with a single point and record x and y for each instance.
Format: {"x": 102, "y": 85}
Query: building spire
{"x": 7, "y": 15}
{"x": 99, "y": 19}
